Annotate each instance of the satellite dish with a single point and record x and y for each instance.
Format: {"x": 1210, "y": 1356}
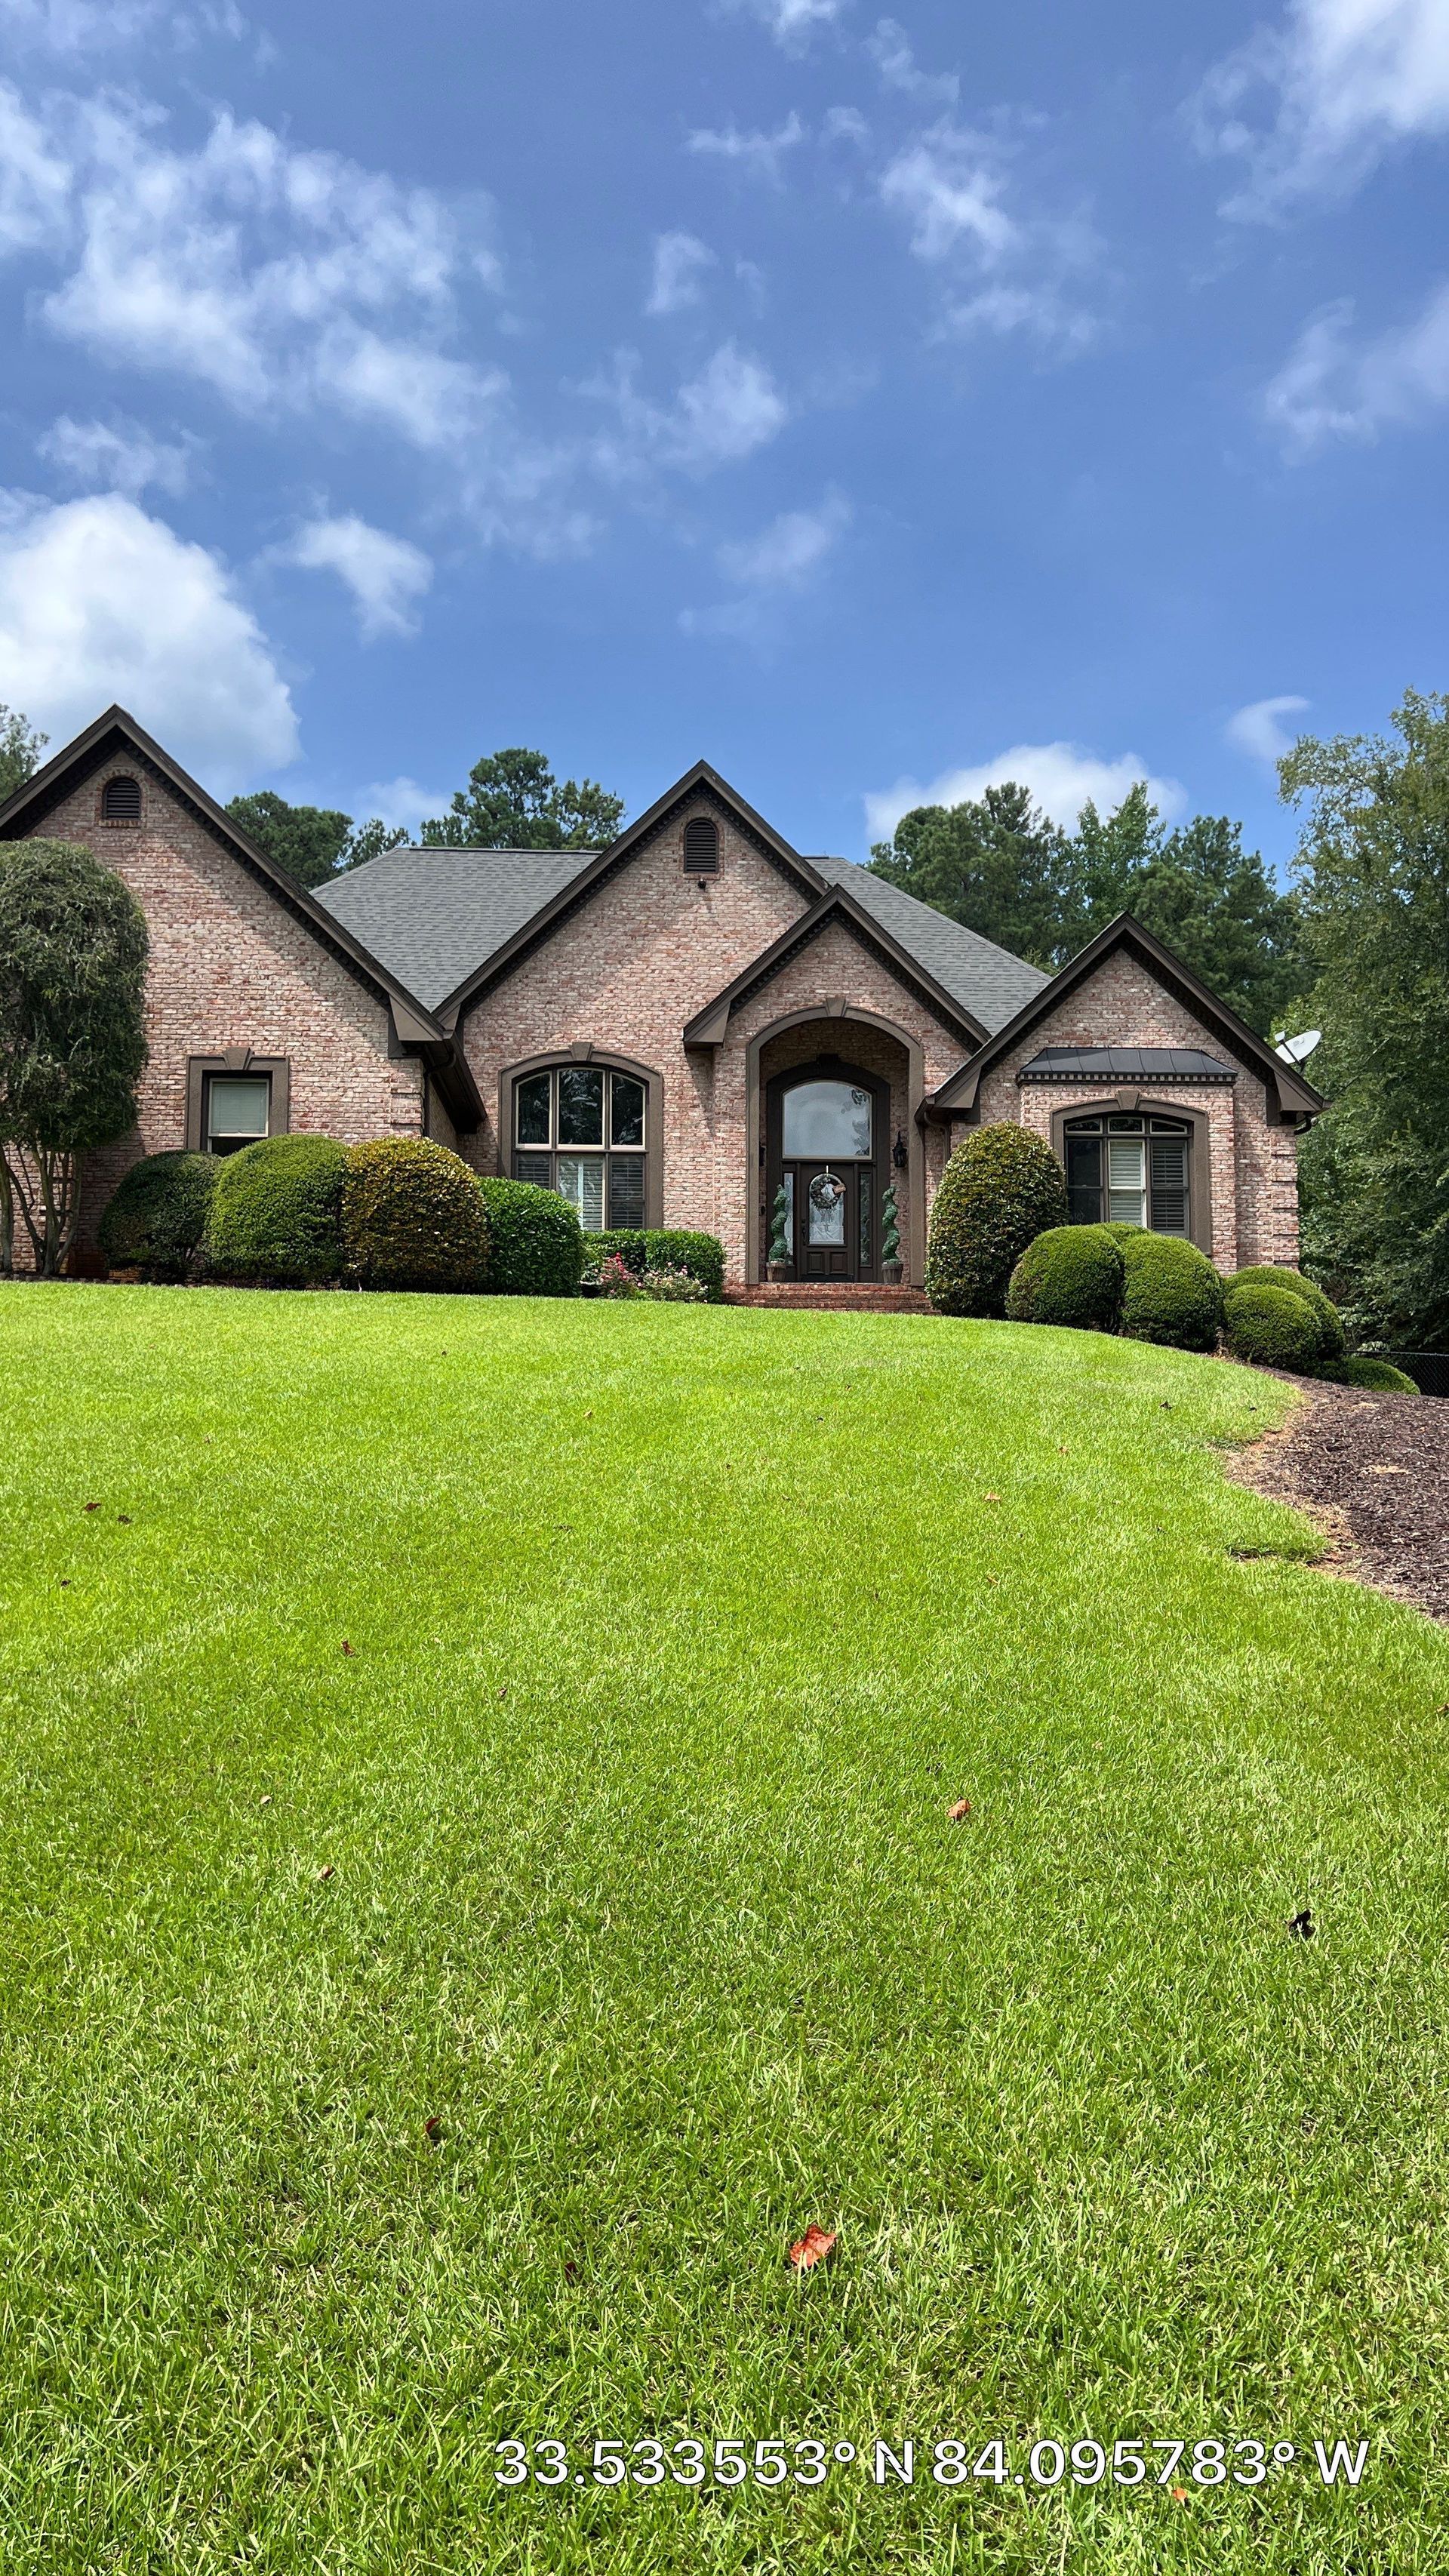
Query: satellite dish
{"x": 1298, "y": 1050}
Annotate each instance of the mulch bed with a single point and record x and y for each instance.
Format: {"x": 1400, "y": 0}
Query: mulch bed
{"x": 1373, "y": 1472}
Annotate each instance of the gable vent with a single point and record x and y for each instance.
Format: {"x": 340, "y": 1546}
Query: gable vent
{"x": 121, "y": 800}
{"x": 701, "y": 847}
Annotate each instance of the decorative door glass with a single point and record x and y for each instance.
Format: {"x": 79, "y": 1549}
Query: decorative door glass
{"x": 827, "y": 1119}
{"x": 827, "y": 1209}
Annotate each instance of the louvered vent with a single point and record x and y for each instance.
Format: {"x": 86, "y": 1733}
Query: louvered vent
{"x": 701, "y": 847}
{"x": 121, "y": 800}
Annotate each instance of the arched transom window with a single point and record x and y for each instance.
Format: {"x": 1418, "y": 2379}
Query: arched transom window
{"x": 827, "y": 1121}
{"x": 583, "y": 1130}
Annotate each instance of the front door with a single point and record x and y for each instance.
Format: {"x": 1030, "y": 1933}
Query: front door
{"x": 826, "y": 1130}
{"x": 827, "y": 1220}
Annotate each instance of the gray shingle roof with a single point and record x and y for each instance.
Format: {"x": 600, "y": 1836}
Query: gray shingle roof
{"x": 433, "y": 916}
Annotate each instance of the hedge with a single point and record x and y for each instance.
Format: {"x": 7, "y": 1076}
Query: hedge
{"x": 663, "y": 1248}
{"x": 1072, "y": 1274}
{"x": 1267, "y": 1274}
{"x": 999, "y": 1191}
{"x": 1380, "y": 1376}
{"x": 413, "y": 1216}
{"x": 1171, "y": 1292}
{"x": 536, "y": 1244}
{"x": 155, "y": 1221}
{"x": 1272, "y": 1328}
{"x": 274, "y": 1211}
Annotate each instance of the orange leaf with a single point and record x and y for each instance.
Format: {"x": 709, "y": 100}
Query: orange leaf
{"x": 959, "y": 1813}
{"x": 991, "y": 1498}
{"x": 1179, "y": 2495}
{"x": 816, "y": 2246}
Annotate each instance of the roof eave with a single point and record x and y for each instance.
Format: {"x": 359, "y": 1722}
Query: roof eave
{"x": 710, "y": 1026}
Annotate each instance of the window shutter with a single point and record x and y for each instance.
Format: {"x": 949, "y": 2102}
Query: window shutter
{"x": 1169, "y": 1185}
{"x": 121, "y": 800}
{"x": 701, "y": 846}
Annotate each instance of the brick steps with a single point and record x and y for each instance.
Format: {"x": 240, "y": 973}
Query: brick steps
{"x": 855, "y": 1297}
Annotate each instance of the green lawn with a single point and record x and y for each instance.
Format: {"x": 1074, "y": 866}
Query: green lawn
{"x": 674, "y": 1633}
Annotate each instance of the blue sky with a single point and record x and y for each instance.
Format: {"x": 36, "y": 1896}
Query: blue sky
{"x": 867, "y": 403}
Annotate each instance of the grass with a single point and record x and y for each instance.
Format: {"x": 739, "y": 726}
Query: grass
{"x": 674, "y": 1633}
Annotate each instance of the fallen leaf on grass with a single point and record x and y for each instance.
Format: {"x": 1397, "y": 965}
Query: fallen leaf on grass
{"x": 265, "y": 1802}
{"x": 570, "y": 2269}
{"x": 432, "y": 2128}
{"x": 347, "y": 1646}
{"x": 503, "y": 1694}
{"x": 960, "y": 1811}
{"x": 124, "y": 1516}
{"x": 329, "y": 1872}
{"x": 93, "y": 1507}
{"x": 1302, "y": 1924}
{"x": 816, "y": 2246}
{"x": 991, "y": 1498}
{"x": 1179, "y": 2495}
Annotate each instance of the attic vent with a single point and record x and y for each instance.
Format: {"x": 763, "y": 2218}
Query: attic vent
{"x": 121, "y": 800}
{"x": 701, "y": 847}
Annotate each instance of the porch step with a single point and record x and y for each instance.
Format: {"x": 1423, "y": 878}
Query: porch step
{"x": 856, "y": 1297}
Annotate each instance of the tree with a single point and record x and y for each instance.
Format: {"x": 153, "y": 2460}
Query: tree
{"x": 513, "y": 802}
{"x": 997, "y": 864}
{"x": 72, "y": 1032}
{"x": 20, "y": 750}
{"x": 1373, "y": 865}
{"x": 1213, "y": 903}
{"x": 312, "y": 842}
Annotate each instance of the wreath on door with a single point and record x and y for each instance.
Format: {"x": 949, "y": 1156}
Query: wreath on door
{"x": 826, "y": 1193}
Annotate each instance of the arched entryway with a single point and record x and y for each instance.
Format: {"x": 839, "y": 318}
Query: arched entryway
{"x": 828, "y": 1150}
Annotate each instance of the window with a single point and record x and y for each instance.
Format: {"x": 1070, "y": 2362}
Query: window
{"x": 1129, "y": 1171}
{"x": 236, "y": 1110}
{"x": 826, "y": 1122}
{"x": 582, "y": 1129}
{"x": 701, "y": 847}
{"x": 121, "y": 800}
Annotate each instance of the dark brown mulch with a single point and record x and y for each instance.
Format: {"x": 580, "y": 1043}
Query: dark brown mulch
{"x": 1373, "y": 1472}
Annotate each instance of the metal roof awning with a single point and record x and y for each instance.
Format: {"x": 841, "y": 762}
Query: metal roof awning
{"x": 1125, "y": 1064}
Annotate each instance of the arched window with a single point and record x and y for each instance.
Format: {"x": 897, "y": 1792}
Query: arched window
{"x": 121, "y": 800}
{"x": 591, "y": 1132}
{"x": 1130, "y": 1171}
{"x": 701, "y": 846}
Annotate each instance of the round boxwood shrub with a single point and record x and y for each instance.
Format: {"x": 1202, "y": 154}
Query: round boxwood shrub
{"x": 413, "y": 1216}
{"x": 1073, "y": 1274}
{"x": 274, "y": 1211}
{"x": 536, "y": 1244}
{"x": 1171, "y": 1292}
{"x": 999, "y": 1191}
{"x": 1380, "y": 1376}
{"x": 1272, "y": 1328}
{"x": 1267, "y": 1274}
{"x": 156, "y": 1219}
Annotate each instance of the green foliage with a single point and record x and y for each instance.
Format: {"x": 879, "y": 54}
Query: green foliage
{"x": 73, "y": 951}
{"x": 275, "y": 1211}
{"x": 779, "y": 1249}
{"x": 20, "y": 750}
{"x": 536, "y": 1245}
{"x": 1267, "y": 1274}
{"x": 1072, "y": 1274}
{"x": 413, "y": 1216}
{"x": 312, "y": 842}
{"x": 155, "y": 1221}
{"x": 1006, "y": 871}
{"x": 1373, "y": 867}
{"x": 670, "y": 1287}
{"x": 1273, "y": 1328}
{"x": 999, "y": 1190}
{"x": 1171, "y": 1292}
{"x": 514, "y": 802}
{"x": 663, "y": 1248}
{"x": 890, "y": 1225}
{"x": 1379, "y": 1376}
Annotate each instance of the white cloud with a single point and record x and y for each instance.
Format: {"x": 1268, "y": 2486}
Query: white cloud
{"x": 786, "y": 554}
{"x": 1312, "y": 104}
{"x": 756, "y": 153}
{"x": 793, "y": 22}
{"x": 125, "y": 459}
{"x": 386, "y": 576}
{"x": 722, "y": 415}
{"x": 34, "y": 179}
{"x": 890, "y": 50}
{"x": 1330, "y": 388}
{"x": 947, "y": 185}
{"x": 1257, "y": 729}
{"x": 99, "y": 602}
{"x": 844, "y": 125}
{"x": 86, "y": 27}
{"x": 679, "y": 261}
{"x": 402, "y": 804}
{"x": 1002, "y": 271}
{"x": 1061, "y": 775}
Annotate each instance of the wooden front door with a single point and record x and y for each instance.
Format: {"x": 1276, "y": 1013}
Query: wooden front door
{"x": 827, "y": 1220}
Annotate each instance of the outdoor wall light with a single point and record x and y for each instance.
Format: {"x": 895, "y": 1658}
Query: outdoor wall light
{"x": 900, "y": 1152}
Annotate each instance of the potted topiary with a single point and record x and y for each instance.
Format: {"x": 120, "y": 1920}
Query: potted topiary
{"x": 778, "y": 1260}
{"x": 892, "y": 1268}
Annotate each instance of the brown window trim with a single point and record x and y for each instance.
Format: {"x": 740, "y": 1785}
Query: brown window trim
{"x": 586, "y": 1053}
{"x": 1200, "y": 1160}
{"x": 237, "y": 1060}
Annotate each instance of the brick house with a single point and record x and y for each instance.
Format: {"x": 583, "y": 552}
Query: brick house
{"x": 669, "y": 1031}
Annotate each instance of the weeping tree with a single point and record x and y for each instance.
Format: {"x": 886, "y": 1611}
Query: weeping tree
{"x": 72, "y": 1033}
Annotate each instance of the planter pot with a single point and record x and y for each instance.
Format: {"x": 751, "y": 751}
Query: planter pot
{"x": 777, "y": 1271}
{"x": 892, "y": 1273}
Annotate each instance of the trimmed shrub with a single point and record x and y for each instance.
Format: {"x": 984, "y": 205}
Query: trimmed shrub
{"x": 999, "y": 1191}
{"x": 1379, "y": 1376}
{"x": 1073, "y": 1274}
{"x": 156, "y": 1219}
{"x": 1272, "y": 1328}
{"x": 1266, "y": 1274}
{"x": 1171, "y": 1292}
{"x": 673, "y": 1288}
{"x": 413, "y": 1216}
{"x": 662, "y": 1248}
{"x": 536, "y": 1244}
{"x": 274, "y": 1211}
{"x": 614, "y": 1278}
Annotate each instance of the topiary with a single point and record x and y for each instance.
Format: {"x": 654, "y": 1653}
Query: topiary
{"x": 1380, "y": 1376}
{"x": 274, "y": 1211}
{"x": 413, "y": 1216}
{"x": 1171, "y": 1292}
{"x": 662, "y": 1248}
{"x": 1073, "y": 1274}
{"x": 1266, "y": 1274}
{"x": 156, "y": 1219}
{"x": 1272, "y": 1328}
{"x": 999, "y": 1191}
{"x": 536, "y": 1244}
